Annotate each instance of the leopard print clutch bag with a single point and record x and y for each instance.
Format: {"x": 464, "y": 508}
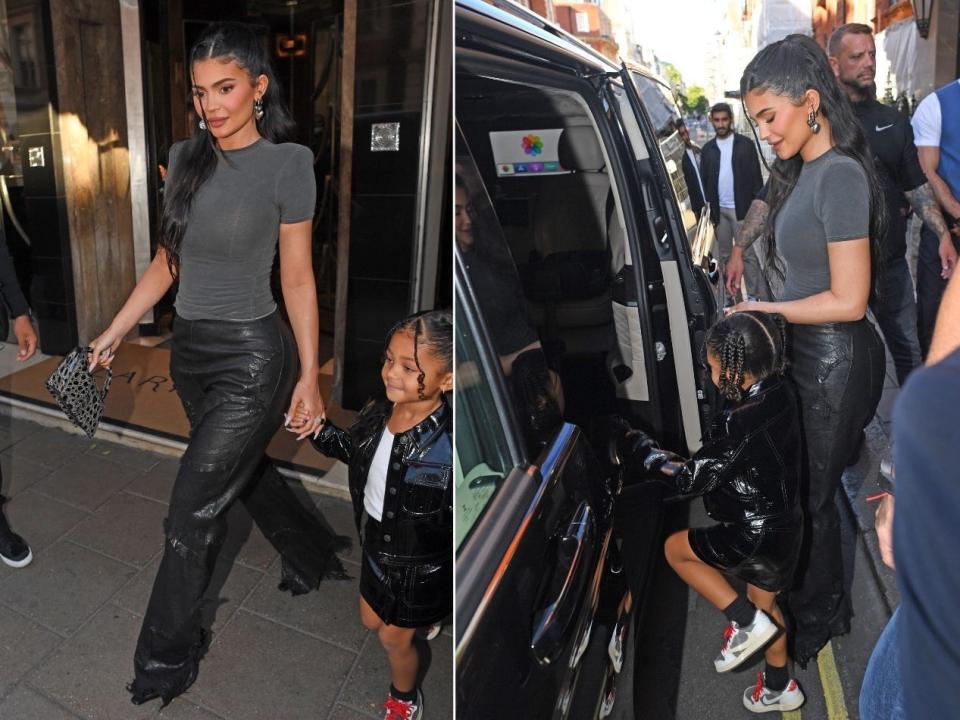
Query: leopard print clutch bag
{"x": 76, "y": 391}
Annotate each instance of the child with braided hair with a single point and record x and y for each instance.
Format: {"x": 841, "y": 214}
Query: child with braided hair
{"x": 749, "y": 477}
{"x": 399, "y": 454}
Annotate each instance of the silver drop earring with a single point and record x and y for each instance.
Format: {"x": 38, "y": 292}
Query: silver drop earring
{"x": 812, "y": 122}
{"x": 258, "y": 108}
{"x": 202, "y": 125}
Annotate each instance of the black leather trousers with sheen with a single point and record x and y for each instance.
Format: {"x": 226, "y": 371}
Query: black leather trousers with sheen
{"x": 234, "y": 380}
{"x": 838, "y": 369}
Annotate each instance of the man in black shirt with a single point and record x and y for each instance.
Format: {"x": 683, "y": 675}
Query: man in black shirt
{"x": 852, "y": 54}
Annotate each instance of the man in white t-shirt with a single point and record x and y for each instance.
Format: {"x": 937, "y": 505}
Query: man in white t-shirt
{"x": 730, "y": 169}
{"x": 937, "y": 137}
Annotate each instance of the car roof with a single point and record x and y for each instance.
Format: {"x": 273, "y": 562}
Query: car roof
{"x": 517, "y": 18}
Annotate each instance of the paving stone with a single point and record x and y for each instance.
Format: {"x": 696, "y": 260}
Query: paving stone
{"x": 369, "y": 680}
{"x": 332, "y": 612}
{"x": 228, "y": 588}
{"x": 344, "y": 712}
{"x": 13, "y": 430}
{"x": 51, "y": 447}
{"x": 88, "y": 673}
{"x": 25, "y": 704}
{"x": 41, "y": 520}
{"x": 133, "y": 457}
{"x": 86, "y": 482}
{"x": 126, "y": 527}
{"x": 339, "y": 514}
{"x": 156, "y": 483}
{"x": 259, "y": 670}
{"x": 20, "y": 472}
{"x": 23, "y": 644}
{"x": 438, "y": 684}
{"x": 64, "y": 586}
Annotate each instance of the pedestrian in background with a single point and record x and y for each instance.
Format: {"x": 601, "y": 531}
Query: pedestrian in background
{"x": 826, "y": 204}
{"x": 731, "y": 176}
{"x": 14, "y": 551}
{"x": 236, "y": 192}
{"x": 853, "y": 53}
{"x": 937, "y": 135}
{"x": 691, "y": 169}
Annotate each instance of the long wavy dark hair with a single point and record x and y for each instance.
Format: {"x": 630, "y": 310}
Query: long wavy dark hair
{"x": 225, "y": 41}
{"x": 789, "y": 68}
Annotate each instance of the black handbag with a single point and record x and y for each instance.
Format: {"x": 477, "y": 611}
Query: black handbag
{"x": 76, "y": 392}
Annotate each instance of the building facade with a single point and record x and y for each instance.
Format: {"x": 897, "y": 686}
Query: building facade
{"x": 93, "y": 93}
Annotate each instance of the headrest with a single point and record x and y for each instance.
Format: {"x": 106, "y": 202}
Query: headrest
{"x": 578, "y": 149}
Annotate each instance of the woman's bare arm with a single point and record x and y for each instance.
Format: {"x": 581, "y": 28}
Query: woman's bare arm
{"x": 845, "y": 301}
{"x": 300, "y": 295}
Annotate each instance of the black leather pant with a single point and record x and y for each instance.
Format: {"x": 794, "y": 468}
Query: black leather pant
{"x": 838, "y": 369}
{"x": 235, "y": 380}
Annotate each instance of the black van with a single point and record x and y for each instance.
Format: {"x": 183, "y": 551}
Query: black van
{"x": 582, "y": 293}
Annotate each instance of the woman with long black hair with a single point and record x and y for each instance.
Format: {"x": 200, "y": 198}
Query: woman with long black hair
{"x": 826, "y": 217}
{"x": 236, "y": 192}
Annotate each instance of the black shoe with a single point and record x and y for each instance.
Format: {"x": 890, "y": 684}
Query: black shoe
{"x": 14, "y": 551}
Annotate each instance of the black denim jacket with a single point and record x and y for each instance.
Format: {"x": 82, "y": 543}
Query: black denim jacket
{"x": 750, "y": 474}
{"x": 417, "y": 520}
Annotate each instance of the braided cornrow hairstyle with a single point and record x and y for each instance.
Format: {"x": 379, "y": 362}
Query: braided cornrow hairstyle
{"x": 749, "y": 342}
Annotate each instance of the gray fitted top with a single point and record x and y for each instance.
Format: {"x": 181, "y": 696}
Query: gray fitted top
{"x": 829, "y": 203}
{"x": 232, "y": 232}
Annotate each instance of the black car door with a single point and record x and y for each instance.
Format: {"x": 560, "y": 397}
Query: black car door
{"x": 533, "y": 513}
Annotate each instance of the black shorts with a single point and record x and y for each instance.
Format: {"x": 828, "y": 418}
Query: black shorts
{"x": 401, "y": 593}
{"x": 765, "y": 558}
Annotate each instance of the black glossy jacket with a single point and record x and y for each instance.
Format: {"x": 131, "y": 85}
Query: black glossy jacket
{"x": 750, "y": 474}
{"x": 417, "y": 520}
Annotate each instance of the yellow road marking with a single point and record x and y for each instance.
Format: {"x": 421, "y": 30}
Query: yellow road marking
{"x": 792, "y": 715}
{"x": 830, "y": 681}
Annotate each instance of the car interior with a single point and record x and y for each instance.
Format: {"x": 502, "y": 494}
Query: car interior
{"x": 565, "y": 235}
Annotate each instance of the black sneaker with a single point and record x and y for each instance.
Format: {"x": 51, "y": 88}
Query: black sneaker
{"x": 14, "y": 551}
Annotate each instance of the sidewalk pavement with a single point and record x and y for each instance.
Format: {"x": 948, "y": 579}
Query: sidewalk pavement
{"x": 92, "y": 511}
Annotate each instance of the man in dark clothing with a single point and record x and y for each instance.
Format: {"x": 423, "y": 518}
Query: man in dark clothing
{"x": 691, "y": 169}
{"x": 852, "y": 54}
{"x": 13, "y": 550}
{"x": 730, "y": 169}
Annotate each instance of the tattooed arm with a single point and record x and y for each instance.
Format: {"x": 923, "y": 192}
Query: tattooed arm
{"x": 752, "y": 226}
{"x": 750, "y": 229}
{"x": 925, "y": 205}
{"x": 929, "y": 158}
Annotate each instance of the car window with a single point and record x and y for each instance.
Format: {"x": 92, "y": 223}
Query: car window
{"x": 665, "y": 115}
{"x": 481, "y": 447}
{"x": 503, "y": 305}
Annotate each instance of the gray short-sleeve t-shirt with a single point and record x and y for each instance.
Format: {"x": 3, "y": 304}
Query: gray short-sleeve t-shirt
{"x": 231, "y": 238}
{"x": 829, "y": 203}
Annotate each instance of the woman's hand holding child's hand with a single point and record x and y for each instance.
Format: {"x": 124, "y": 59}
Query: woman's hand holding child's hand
{"x": 307, "y": 412}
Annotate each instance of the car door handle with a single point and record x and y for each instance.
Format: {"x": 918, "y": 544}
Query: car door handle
{"x": 555, "y": 622}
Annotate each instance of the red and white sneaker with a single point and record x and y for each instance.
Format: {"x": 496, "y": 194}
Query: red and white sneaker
{"x": 403, "y": 709}
{"x": 433, "y": 631}
{"x": 760, "y": 699}
{"x": 739, "y": 643}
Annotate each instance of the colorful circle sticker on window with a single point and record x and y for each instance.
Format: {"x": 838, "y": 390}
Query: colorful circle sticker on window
{"x": 532, "y": 144}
